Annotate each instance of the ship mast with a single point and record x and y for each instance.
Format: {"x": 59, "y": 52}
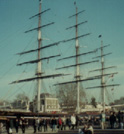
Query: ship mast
{"x": 102, "y": 77}
{"x": 76, "y": 56}
{"x": 77, "y": 65}
{"x": 39, "y": 63}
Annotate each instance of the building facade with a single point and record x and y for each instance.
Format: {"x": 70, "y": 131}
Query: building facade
{"x": 48, "y": 103}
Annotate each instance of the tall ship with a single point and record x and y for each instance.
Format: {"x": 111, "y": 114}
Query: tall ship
{"x": 68, "y": 62}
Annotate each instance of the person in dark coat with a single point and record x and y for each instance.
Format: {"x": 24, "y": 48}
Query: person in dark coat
{"x": 120, "y": 118}
{"x": 16, "y": 125}
{"x": 34, "y": 125}
{"x": 53, "y": 123}
{"x": 40, "y": 125}
{"x": 7, "y": 125}
{"x": 68, "y": 122}
{"x": 23, "y": 124}
{"x": 45, "y": 123}
{"x": 112, "y": 119}
{"x": 77, "y": 121}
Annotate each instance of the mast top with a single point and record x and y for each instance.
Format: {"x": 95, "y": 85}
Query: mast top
{"x": 40, "y": 1}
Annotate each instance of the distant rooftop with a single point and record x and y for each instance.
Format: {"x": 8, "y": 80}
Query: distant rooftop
{"x": 43, "y": 95}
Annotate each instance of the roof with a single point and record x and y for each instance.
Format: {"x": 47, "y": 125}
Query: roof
{"x": 44, "y": 95}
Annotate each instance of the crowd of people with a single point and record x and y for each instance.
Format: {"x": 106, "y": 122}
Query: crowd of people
{"x": 116, "y": 120}
{"x": 112, "y": 121}
{"x": 84, "y": 124}
{"x": 55, "y": 123}
{"x": 41, "y": 124}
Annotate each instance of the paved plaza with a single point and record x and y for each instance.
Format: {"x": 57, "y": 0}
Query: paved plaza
{"x": 30, "y": 130}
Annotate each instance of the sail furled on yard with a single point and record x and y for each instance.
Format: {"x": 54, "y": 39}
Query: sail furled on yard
{"x": 33, "y": 50}
{"x": 76, "y": 25}
{"x": 102, "y": 86}
{"x": 77, "y": 64}
{"x": 52, "y": 44}
{"x": 36, "y": 61}
{"x": 77, "y": 55}
{"x": 41, "y": 77}
{"x": 39, "y": 27}
{"x": 39, "y": 13}
{"x": 87, "y": 79}
{"x": 102, "y": 68}
{"x": 77, "y": 13}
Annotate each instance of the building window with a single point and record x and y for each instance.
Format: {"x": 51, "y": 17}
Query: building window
{"x": 42, "y": 102}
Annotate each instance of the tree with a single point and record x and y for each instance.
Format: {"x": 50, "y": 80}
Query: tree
{"x": 93, "y": 102}
{"x": 22, "y": 97}
{"x": 21, "y": 101}
{"x": 67, "y": 95}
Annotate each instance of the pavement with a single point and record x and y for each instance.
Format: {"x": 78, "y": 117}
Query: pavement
{"x": 30, "y": 130}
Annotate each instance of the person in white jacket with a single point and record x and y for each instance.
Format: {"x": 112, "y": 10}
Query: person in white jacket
{"x": 73, "y": 121}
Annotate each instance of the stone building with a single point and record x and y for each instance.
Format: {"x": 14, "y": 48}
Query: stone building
{"x": 48, "y": 103}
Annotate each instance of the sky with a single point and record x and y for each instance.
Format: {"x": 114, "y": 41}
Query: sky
{"x": 105, "y": 17}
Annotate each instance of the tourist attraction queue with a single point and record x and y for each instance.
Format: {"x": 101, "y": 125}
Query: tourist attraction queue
{"x": 84, "y": 124}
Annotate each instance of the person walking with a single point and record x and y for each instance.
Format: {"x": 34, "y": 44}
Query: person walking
{"x": 40, "y": 125}
{"x": 53, "y": 123}
{"x": 23, "y": 124}
{"x": 7, "y": 125}
{"x": 120, "y": 120}
{"x": 35, "y": 125}
{"x": 103, "y": 119}
{"x": 45, "y": 124}
{"x": 112, "y": 119}
{"x": 77, "y": 121}
{"x": 68, "y": 122}
{"x": 73, "y": 121}
{"x": 16, "y": 125}
{"x": 60, "y": 123}
{"x": 63, "y": 123}
{"x": 1, "y": 127}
